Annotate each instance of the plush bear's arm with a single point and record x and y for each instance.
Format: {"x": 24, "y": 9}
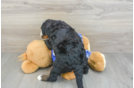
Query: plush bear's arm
{"x": 48, "y": 43}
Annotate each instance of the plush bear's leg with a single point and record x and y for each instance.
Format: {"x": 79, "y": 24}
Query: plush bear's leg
{"x": 29, "y": 67}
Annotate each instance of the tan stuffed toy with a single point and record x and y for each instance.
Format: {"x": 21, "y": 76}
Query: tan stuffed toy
{"x": 96, "y": 61}
{"x": 38, "y": 55}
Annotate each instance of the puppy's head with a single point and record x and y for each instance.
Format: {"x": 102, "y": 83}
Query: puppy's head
{"x": 46, "y": 29}
{"x": 50, "y": 26}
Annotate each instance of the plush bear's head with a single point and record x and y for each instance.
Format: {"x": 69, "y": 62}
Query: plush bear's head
{"x": 38, "y": 53}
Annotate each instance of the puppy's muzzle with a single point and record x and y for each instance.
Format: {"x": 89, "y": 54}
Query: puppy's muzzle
{"x": 43, "y": 37}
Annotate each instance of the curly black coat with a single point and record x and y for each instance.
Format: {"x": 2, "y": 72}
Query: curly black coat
{"x": 69, "y": 50}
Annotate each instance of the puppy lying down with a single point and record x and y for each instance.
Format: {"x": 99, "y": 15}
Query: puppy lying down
{"x": 69, "y": 51}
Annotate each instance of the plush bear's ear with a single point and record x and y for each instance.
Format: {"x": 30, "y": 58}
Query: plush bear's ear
{"x": 23, "y": 57}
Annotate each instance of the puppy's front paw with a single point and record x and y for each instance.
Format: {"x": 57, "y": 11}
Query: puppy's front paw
{"x": 42, "y": 77}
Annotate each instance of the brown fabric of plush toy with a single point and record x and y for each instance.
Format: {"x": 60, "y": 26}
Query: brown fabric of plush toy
{"x": 29, "y": 67}
{"x": 69, "y": 75}
{"x": 86, "y": 43}
{"x": 38, "y": 55}
{"x": 97, "y": 61}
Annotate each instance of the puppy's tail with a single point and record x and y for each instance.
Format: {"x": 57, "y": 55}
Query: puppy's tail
{"x": 23, "y": 57}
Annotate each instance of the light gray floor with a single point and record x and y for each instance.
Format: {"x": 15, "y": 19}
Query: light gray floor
{"x": 118, "y": 74}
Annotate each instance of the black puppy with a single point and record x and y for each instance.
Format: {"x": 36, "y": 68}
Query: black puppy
{"x": 69, "y": 51}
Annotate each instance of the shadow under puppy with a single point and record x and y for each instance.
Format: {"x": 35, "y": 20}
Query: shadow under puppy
{"x": 69, "y": 51}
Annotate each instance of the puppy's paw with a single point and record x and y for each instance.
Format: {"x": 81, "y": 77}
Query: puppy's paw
{"x": 43, "y": 77}
{"x": 39, "y": 77}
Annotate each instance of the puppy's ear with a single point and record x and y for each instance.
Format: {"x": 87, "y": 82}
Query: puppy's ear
{"x": 46, "y": 26}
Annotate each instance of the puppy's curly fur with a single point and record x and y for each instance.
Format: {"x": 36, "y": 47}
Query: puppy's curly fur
{"x": 68, "y": 48}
